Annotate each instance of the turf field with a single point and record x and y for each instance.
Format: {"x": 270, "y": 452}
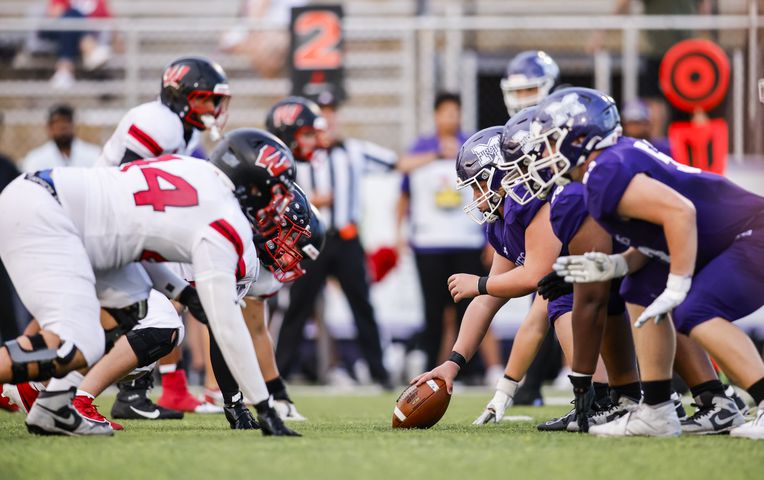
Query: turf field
{"x": 350, "y": 437}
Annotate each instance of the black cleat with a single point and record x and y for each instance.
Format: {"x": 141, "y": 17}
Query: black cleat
{"x": 558, "y": 424}
{"x": 133, "y": 402}
{"x": 271, "y": 424}
{"x": 239, "y": 417}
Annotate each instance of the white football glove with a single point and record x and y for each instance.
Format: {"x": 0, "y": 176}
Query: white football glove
{"x": 591, "y": 267}
{"x": 502, "y": 400}
{"x": 677, "y": 287}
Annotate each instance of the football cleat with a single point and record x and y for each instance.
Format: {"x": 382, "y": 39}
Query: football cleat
{"x": 214, "y": 396}
{"x": 53, "y": 414}
{"x": 714, "y": 414}
{"x": 753, "y": 429}
{"x": 240, "y": 418}
{"x": 741, "y": 405}
{"x": 680, "y": 411}
{"x": 606, "y": 411}
{"x": 23, "y": 395}
{"x": 175, "y": 394}
{"x": 87, "y": 409}
{"x": 645, "y": 420}
{"x": 206, "y": 407}
{"x": 133, "y": 403}
{"x": 287, "y": 411}
{"x": 559, "y": 424}
{"x": 5, "y": 404}
{"x": 271, "y": 424}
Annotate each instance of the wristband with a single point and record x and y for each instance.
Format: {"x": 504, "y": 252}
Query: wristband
{"x": 483, "y": 285}
{"x": 458, "y": 359}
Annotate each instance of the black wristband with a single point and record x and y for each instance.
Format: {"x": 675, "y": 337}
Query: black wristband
{"x": 458, "y": 359}
{"x": 483, "y": 285}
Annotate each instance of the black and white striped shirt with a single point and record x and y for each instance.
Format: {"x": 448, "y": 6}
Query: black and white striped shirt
{"x": 338, "y": 171}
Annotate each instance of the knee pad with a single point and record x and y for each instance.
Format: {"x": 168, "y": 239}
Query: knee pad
{"x": 151, "y": 344}
{"x": 46, "y": 359}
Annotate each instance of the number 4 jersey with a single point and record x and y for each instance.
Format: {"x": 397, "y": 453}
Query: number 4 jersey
{"x": 158, "y": 210}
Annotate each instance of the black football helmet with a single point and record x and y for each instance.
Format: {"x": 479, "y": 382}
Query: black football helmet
{"x": 190, "y": 78}
{"x": 299, "y": 237}
{"x": 291, "y": 116}
{"x": 261, "y": 168}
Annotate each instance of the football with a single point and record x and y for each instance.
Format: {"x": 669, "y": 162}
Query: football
{"x": 423, "y": 406}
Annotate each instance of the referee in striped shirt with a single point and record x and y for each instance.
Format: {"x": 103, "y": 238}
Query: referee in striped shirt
{"x": 332, "y": 180}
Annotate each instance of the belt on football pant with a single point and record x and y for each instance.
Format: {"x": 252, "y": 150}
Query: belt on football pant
{"x": 43, "y": 179}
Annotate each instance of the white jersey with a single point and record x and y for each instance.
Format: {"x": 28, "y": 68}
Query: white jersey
{"x": 149, "y": 130}
{"x": 154, "y": 210}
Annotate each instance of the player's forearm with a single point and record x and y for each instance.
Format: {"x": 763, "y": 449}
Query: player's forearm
{"x": 408, "y": 163}
{"x": 681, "y": 231}
{"x": 475, "y": 323}
{"x": 528, "y": 340}
{"x": 218, "y": 295}
{"x": 515, "y": 283}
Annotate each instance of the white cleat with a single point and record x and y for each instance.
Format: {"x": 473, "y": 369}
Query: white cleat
{"x": 207, "y": 407}
{"x": 753, "y": 429}
{"x": 609, "y": 414}
{"x": 646, "y": 420}
{"x": 287, "y": 411}
{"x": 53, "y": 414}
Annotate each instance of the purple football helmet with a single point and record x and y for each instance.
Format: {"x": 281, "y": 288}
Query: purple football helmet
{"x": 530, "y": 77}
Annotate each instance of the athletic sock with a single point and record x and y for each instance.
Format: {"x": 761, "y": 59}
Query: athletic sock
{"x": 600, "y": 391}
{"x": 657, "y": 391}
{"x": 277, "y": 388}
{"x": 630, "y": 390}
{"x": 83, "y": 393}
{"x": 757, "y": 391}
{"x": 713, "y": 386}
{"x": 511, "y": 379}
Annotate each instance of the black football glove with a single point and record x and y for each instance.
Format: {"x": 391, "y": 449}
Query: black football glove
{"x": 584, "y": 392}
{"x": 553, "y": 286}
{"x": 190, "y": 299}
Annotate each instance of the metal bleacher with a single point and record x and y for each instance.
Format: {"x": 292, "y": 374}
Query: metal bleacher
{"x": 375, "y": 69}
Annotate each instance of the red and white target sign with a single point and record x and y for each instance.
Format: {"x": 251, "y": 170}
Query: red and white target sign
{"x": 695, "y": 74}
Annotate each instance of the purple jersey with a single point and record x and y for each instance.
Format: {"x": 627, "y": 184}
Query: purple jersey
{"x": 567, "y": 213}
{"x": 724, "y": 210}
{"x": 507, "y": 234}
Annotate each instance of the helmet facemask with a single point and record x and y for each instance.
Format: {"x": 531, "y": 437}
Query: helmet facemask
{"x": 284, "y": 251}
{"x": 512, "y": 85}
{"x": 203, "y": 119}
{"x": 266, "y": 219}
{"x": 483, "y": 183}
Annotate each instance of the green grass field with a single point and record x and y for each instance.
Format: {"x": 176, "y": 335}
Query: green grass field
{"x": 350, "y": 437}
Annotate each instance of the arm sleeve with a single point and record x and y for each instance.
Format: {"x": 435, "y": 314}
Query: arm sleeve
{"x": 214, "y": 266}
{"x": 164, "y": 279}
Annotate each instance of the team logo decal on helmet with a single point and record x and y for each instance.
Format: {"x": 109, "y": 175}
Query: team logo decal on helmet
{"x": 273, "y": 160}
{"x": 564, "y": 110}
{"x": 488, "y": 153}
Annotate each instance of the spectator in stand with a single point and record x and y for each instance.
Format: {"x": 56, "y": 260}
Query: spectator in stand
{"x": 444, "y": 240}
{"x": 63, "y": 149}
{"x": 267, "y": 50}
{"x": 92, "y": 46}
{"x": 636, "y": 121}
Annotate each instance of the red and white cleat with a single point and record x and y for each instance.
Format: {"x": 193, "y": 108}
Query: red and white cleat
{"x": 22, "y": 395}
{"x": 5, "y": 404}
{"x": 175, "y": 394}
{"x": 87, "y": 409}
